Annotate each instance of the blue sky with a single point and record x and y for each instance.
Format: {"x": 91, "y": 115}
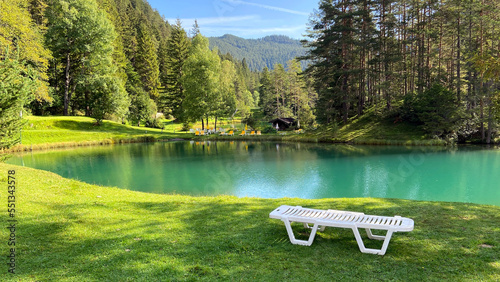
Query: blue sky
{"x": 245, "y": 18}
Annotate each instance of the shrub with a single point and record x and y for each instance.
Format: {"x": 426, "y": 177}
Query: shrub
{"x": 436, "y": 110}
{"x": 269, "y": 129}
{"x": 155, "y": 123}
{"x": 250, "y": 121}
{"x": 186, "y": 126}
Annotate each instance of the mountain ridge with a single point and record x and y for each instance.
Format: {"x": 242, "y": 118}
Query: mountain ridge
{"x": 259, "y": 53}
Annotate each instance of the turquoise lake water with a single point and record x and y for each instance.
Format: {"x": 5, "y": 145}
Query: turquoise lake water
{"x": 275, "y": 170}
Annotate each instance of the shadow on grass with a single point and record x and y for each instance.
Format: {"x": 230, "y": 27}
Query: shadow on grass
{"x": 92, "y": 126}
{"x": 234, "y": 239}
{"x": 114, "y": 128}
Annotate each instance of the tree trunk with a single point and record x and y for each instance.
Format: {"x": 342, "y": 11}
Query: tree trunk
{"x": 481, "y": 114}
{"x": 440, "y": 56}
{"x": 66, "y": 85}
{"x": 490, "y": 113}
{"x": 459, "y": 80}
{"x": 70, "y": 94}
{"x": 87, "y": 107}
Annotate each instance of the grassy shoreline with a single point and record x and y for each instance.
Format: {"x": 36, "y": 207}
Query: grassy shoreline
{"x": 41, "y": 133}
{"x": 72, "y": 231}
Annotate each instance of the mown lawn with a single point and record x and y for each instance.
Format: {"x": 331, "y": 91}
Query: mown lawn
{"x": 59, "y": 129}
{"x": 72, "y": 231}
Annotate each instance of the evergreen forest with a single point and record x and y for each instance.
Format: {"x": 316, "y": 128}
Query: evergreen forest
{"x": 259, "y": 53}
{"x": 433, "y": 63}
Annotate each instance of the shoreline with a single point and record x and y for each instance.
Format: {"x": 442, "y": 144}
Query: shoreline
{"x": 19, "y": 148}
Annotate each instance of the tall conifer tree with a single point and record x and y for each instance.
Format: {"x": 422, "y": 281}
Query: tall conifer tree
{"x": 147, "y": 65}
{"x": 177, "y": 52}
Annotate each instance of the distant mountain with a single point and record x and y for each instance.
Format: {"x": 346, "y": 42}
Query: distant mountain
{"x": 259, "y": 53}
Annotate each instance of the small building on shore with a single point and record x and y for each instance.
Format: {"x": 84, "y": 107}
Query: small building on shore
{"x": 283, "y": 123}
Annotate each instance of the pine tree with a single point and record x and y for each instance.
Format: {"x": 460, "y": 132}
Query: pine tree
{"x": 279, "y": 92}
{"x": 177, "y": 50}
{"x": 300, "y": 101}
{"x": 195, "y": 30}
{"x": 146, "y": 64}
{"x": 265, "y": 91}
{"x": 17, "y": 85}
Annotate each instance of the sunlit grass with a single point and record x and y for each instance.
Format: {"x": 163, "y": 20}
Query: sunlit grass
{"x": 72, "y": 231}
{"x": 57, "y": 131}
{"x": 375, "y": 128}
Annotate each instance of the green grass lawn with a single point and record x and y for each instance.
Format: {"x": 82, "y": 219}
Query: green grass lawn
{"x": 72, "y": 231}
{"x": 59, "y": 131}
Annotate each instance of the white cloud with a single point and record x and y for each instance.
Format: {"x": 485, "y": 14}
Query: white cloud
{"x": 274, "y": 8}
{"x": 252, "y": 31}
{"x": 214, "y": 20}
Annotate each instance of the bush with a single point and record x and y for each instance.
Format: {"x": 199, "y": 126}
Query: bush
{"x": 250, "y": 121}
{"x": 155, "y": 123}
{"x": 186, "y": 126}
{"x": 436, "y": 110}
{"x": 269, "y": 129}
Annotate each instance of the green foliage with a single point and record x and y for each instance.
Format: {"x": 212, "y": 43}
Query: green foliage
{"x": 107, "y": 96}
{"x": 186, "y": 126}
{"x": 201, "y": 80}
{"x": 366, "y": 52}
{"x": 251, "y": 121}
{"x": 146, "y": 63}
{"x": 142, "y": 108}
{"x": 18, "y": 82}
{"x": 177, "y": 50}
{"x": 287, "y": 93}
{"x": 269, "y": 129}
{"x": 227, "y": 103}
{"x": 435, "y": 109}
{"x": 256, "y": 98}
{"x": 154, "y": 123}
{"x": 21, "y": 35}
{"x": 80, "y": 38}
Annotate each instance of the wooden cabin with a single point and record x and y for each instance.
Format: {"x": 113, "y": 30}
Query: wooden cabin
{"x": 284, "y": 123}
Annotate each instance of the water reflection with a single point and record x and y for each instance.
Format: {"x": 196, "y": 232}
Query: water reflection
{"x": 273, "y": 170}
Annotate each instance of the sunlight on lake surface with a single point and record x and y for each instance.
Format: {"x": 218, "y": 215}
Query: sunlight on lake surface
{"x": 275, "y": 170}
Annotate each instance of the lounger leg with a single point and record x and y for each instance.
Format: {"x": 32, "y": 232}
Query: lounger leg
{"x": 375, "y": 237}
{"x": 321, "y": 228}
{"x": 300, "y": 242}
{"x": 372, "y": 251}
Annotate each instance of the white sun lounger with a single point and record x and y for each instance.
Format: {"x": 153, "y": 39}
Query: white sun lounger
{"x": 343, "y": 219}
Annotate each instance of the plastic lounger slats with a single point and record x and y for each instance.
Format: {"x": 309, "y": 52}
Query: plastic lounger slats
{"x": 344, "y": 219}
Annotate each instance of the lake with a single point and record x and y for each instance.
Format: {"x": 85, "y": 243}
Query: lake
{"x": 275, "y": 170}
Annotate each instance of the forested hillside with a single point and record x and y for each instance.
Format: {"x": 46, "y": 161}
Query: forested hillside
{"x": 432, "y": 63}
{"x": 259, "y": 53}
